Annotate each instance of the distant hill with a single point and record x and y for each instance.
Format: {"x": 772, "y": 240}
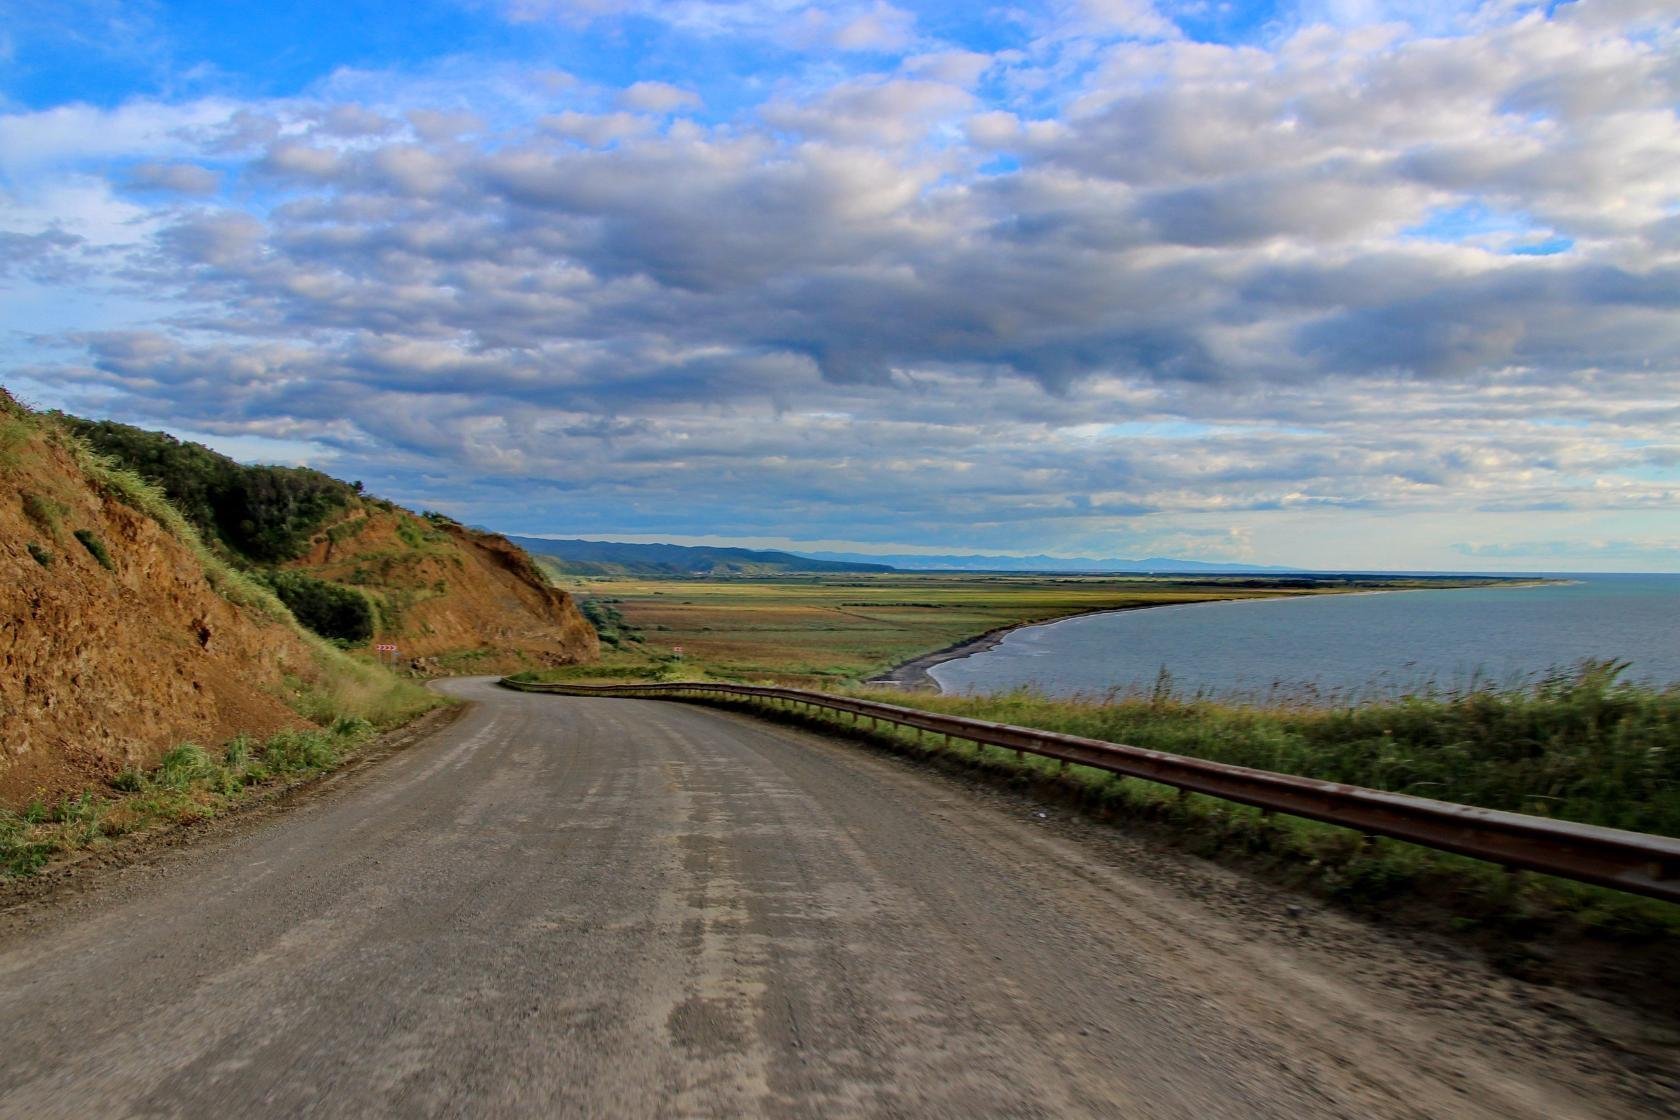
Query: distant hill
{"x": 617, "y": 558}
{"x": 980, "y": 562}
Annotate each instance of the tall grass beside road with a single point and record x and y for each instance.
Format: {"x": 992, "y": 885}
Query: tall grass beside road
{"x": 191, "y": 783}
{"x": 1582, "y": 745}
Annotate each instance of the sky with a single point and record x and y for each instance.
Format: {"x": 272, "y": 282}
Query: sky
{"x": 1340, "y": 283}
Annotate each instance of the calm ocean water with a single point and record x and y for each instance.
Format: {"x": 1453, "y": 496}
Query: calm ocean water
{"x": 1345, "y": 646}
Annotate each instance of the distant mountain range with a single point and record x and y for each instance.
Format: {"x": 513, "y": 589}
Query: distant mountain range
{"x": 617, "y": 558}
{"x": 981, "y": 562}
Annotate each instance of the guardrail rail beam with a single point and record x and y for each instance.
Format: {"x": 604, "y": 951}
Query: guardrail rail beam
{"x": 1608, "y": 857}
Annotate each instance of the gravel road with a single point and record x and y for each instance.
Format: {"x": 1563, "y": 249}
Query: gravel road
{"x": 600, "y": 907}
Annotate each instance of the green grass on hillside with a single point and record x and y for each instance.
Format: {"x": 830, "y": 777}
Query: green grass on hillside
{"x": 349, "y": 687}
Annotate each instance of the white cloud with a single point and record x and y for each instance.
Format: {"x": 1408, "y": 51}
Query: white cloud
{"x": 437, "y": 126}
{"x": 873, "y": 111}
{"x": 658, "y": 97}
{"x": 1129, "y": 17}
{"x": 80, "y": 204}
{"x": 958, "y": 68}
{"x": 880, "y": 27}
{"x": 66, "y": 135}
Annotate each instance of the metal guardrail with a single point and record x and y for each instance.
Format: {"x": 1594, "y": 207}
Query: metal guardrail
{"x": 1608, "y": 857}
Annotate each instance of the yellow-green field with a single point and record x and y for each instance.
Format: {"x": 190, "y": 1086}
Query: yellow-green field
{"x": 813, "y": 630}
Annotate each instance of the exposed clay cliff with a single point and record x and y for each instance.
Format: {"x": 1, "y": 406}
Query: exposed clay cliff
{"x": 447, "y": 596}
{"x": 131, "y": 622}
{"x": 114, "y": 645}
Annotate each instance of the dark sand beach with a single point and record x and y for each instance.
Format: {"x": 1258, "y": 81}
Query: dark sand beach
{"x": 913, "y": 674}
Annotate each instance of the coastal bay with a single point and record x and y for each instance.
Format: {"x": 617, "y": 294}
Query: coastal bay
{"x": 1342, "y": 648}
{"x": 828, "y": 630}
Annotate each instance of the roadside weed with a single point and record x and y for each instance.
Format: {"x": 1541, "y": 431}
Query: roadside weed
{"x": 189, "y": 783}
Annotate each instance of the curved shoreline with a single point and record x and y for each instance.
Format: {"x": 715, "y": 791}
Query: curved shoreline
{"x": 913, "y": 675}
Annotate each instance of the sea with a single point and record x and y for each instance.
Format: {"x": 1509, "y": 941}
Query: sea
{"x": 1344, "y": 648}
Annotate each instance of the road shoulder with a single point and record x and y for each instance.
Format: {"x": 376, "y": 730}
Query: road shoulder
{"x": 27, "y": 901}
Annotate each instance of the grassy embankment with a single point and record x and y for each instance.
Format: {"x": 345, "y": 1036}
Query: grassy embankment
{"x": 822, "y": 631}
{"x": 347, "y": 709}
{"x": 189, "y": 784}
{"x": 348, "y": 701}
{"x": 1578, "y": 746}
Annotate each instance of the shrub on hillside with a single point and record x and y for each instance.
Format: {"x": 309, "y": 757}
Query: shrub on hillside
{"x": 330, "y": 609}
{"x": 266, "y": 514}
{"x": 44, "y": 512}
{"x": 269, "y": 513}
{"x": 96, "y": 548}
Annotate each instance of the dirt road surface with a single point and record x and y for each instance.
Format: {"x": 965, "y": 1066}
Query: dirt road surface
{"x": 612, "y": 908}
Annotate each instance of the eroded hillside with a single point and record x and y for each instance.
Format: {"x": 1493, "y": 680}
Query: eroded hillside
{"x": 359, "y": 569}
{"x": 114, "y": 643}
{"x": 151, "y": 593}
{"x": 447, "y": 596}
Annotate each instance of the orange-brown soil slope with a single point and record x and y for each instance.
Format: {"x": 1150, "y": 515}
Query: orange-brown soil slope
{"x": 114, "y": 646}
{"x": 450, "y": 598}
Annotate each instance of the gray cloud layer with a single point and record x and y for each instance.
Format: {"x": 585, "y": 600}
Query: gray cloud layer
{"x": 1209, "y": 282}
